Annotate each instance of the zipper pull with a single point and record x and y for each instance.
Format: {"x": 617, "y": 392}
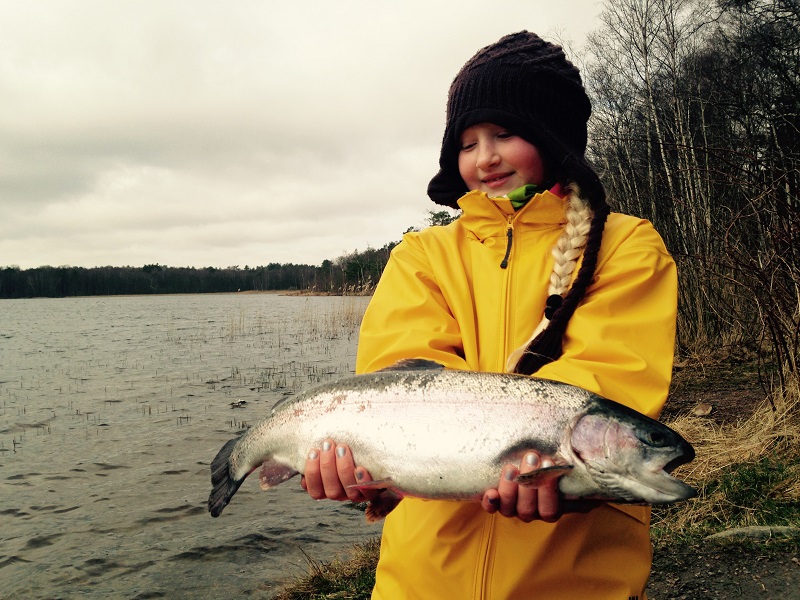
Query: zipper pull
{"x": 509, "y": 235}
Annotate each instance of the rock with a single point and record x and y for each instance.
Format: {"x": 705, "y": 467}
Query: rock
{"x": 755, "y": 533}
{"x": 702, "y": 410}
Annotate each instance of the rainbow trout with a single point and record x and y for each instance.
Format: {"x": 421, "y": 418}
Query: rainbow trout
{"x": 429, "y": 432}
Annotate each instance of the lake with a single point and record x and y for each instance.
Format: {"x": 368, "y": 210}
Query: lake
{"x": 111, "y": 409}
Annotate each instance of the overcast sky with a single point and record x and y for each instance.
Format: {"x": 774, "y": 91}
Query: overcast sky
{"x": 207, "y": 133}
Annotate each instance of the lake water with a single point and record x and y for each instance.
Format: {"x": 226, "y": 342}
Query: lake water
{"x": 111, "y": 410}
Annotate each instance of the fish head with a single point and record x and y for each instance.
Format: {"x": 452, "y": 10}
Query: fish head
{"x": 628, "y": 456}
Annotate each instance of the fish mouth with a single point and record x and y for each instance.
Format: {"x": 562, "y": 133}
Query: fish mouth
{"x": 681, "y": 459}
{"x": 668, "y": 488}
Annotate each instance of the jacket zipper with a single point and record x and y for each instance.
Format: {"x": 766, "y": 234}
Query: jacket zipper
{"x": 504, "y": 264}
{"x": 483, "y": 590}
{"x": 510, "y": 238}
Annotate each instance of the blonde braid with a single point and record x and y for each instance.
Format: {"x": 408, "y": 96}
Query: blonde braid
{"x": 565, "y": 253}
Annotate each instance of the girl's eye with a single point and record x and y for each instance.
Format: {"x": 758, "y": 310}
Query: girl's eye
{"x": 467, "y": 147}
{"x": 505, "y": 135}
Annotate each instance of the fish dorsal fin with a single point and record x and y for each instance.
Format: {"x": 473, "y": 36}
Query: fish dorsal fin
{"x": 414, "y": 364}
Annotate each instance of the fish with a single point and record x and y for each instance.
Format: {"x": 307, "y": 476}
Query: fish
{"x": 425, "y": 431}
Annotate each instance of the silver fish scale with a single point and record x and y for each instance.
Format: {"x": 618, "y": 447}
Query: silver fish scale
{"x": 418, "y": 428}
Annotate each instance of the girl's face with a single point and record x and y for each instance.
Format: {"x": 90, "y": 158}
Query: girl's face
{"x": 495, "y": 161}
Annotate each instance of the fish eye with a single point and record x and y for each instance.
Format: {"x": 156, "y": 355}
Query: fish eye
{"x": 656, "y": 438}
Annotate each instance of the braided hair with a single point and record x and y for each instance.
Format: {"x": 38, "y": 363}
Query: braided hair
{"x": 527, "y": 85}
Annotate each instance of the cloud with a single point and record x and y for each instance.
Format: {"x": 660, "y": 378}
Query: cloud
{"x": 197, "y": 133}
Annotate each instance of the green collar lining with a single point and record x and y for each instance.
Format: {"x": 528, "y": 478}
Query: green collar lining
{"x": 520, "y": 196}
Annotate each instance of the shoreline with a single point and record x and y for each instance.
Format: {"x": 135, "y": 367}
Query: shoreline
{"x": 246, "y": 292}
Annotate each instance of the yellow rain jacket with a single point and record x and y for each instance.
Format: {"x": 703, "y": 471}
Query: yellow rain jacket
{"x": 443, "y": 296}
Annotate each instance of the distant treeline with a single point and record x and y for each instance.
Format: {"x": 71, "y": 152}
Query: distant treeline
{"x": 355, "y": 273}
{"x": 351, "y": 274}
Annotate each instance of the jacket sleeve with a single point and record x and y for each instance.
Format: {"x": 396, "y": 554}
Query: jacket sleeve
{"x": 620, "y": 341}
{"x": 408, "y": 316}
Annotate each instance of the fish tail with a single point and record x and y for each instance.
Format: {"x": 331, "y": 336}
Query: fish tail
{"x": 223, "y": 486}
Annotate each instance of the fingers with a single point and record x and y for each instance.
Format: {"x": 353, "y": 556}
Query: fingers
{"x": 349, "y": 475}
{"x": 527, "y": 503}
{"x": 548, "y": 497}
{"x": 528, "y": 497}
{"x": 312, "y": 477}
{"x": 330, "y": 470}
{"x": 507, "y": 490}
{"x": 334, "y": 489}
{"x": 491, "y": 501}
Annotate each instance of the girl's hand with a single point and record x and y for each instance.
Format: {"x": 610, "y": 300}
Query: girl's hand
{"x": 525, "y": 503}
{"x": 541, "y": 502}
{"x": 330, "y": 470}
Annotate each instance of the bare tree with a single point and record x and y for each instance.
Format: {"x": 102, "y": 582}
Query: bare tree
{"x": 696, "y": 127}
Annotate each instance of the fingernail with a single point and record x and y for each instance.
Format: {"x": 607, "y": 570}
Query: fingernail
{"x": 495, "y": 502}
{"x": 340, "y": 451}
{"x": 359, "y": 474}
{"x": 532, "y": 459}
{"x": 509, "y": 474}
{"x": 326, "y": 446}
{"x": 312, "y": 455}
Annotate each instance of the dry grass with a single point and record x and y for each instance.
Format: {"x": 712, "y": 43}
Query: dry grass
{"x": 341, "y": 579}
{"x": 750, "y": 439}
{"x": 747, "y": 473}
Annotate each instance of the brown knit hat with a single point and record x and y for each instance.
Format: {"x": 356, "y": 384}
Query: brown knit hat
{"x": 527, "y": 85}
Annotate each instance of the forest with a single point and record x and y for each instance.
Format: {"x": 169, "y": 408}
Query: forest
{"x": 695, "y": 126}
{"x": 355, "y": 273}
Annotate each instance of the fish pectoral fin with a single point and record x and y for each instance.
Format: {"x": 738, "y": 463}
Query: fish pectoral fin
{"x": 382, "y": 505}
{"x": 539, "y": 476}
{"x": 273, "y": 473}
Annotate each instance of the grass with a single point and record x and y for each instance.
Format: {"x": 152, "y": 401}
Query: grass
{"x": 747, "y": 473}
{"x": 341, "y": 579}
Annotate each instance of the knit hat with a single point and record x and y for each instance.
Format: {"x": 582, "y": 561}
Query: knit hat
{"x": 527, "y": 85}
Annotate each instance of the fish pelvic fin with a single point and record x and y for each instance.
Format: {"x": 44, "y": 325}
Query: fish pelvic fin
{"x": 539, "y": 476}
{"x": 273, "y": 473}
{"x": 223, "y": 486}
{"x": 382, "y": 505}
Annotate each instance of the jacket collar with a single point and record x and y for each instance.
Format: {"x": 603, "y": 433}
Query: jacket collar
{"x": 486, "y": 217}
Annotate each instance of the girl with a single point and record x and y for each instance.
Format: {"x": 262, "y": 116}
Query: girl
{"x": 535, "y": 277}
